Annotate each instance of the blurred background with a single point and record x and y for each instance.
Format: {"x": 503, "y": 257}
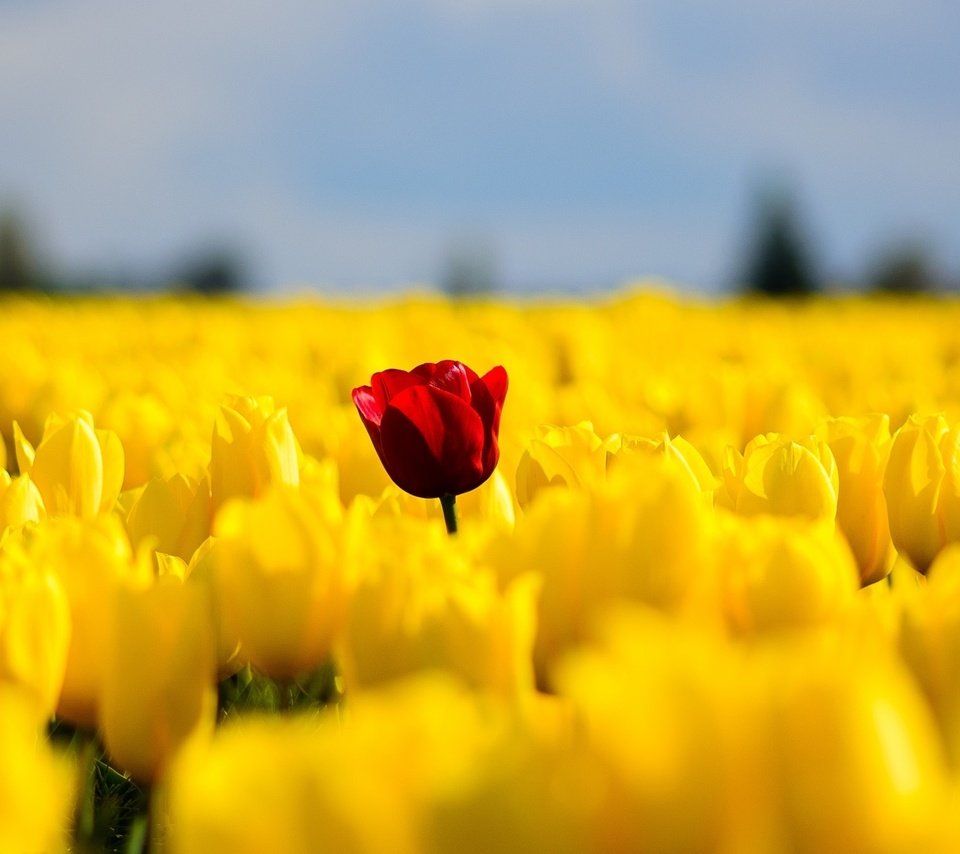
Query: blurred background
{"x": 519, "y": 146}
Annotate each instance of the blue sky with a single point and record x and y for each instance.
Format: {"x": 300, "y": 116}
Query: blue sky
{"x": 584, "y": 142}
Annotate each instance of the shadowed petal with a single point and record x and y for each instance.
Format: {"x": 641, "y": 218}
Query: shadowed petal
{"x": 433, "y": 443}
{"x": 496, "y": 381}
{"x": 488, "y": 395}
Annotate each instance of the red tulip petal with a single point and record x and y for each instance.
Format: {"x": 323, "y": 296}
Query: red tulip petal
{"x": 389, "y": 383}
{"x": 496, "y": 381}
{"x": 433, "y": 443}
{"x": 471, "y": 374}
{"x": 366, "y": 405}
{"x": 488, "y": 394}
{"x": 370, "y": 414}
{"x": 451, "y": 376}
{"x": 427, "y": 370}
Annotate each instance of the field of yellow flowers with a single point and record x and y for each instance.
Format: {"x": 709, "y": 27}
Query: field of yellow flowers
{"x": 706, "y": 598}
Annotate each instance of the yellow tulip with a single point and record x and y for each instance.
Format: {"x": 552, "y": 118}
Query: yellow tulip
{"x": 202, "y": 570}
{"x": 855, "y": 762}
{"x": 922, "y": 488}
{"x": 89, "y": 559}
{"x": 280, "y": 574}
{"x": 529, "y": 787}
{"x": 783, "y": 573}
{"x": 860, "y": 447}
{"x": 34, "y": 629}
{"x": 20, "y": 501}
{"x": 36, "y": 792}
{"x": 420, "y": 603}
{"x": 253, "y": 447}
{"x": 312, "y": 784}
{"x": 269, "y": 785}
{"x": 360, "y": 471}
{"x": 930, "y": 642}
{"x": 656, "y": 706}
{"x": 174, "y": 512}
{"x": 786, "y": 478}
{"x": 641, "y": 536}
{"x": 562, "y": 456}
{"x": 492, "y": 502}
{"x": 793, "y": 407}
{"x": 659, "y": 545}
{"x": 730, "y": 484}
{"x": 157, "y": 689}
{"x": 678, "y": 451}
{"x": 77, "y": 469}
{"x": 145, "y": 425}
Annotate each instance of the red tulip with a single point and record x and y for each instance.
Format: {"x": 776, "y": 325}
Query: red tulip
{"x": 435, "y": 427}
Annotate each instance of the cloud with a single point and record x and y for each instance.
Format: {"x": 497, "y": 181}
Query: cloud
{"x": 117, "y": 116}
{"x": 107, "y": 79}
{"x": 348, "y": 142}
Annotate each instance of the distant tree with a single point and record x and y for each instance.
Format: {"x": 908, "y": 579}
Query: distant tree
{"x": 779, "y": 264}
{"x": 906, "y": 270}
{"x": 212, "y": 273}
{"x": 19, "y": 270}
{"x": 469, "y": 269}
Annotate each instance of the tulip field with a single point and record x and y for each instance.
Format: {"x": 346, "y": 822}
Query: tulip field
{"x": 641, "y": 574}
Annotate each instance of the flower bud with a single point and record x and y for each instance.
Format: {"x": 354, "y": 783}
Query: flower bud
{"x": 89, "y": 559}
{"x": 36, "y": 795}
{"x": 652, "y": 701}
{"x": 145, "y": 424}
{"x": 421, "y": 603}
{"x": 784, "y": 478}
{"x": 175, "y": 512}
{"x": 158, "y": 683}
{"x": 677, "y": 451}
{"x": 253, "y": 447}
{"x": 20, "y": 501}
{"x": 860, "y": 447}
{"x": 202, "y": 570}
{"x": 639, "y": 536}
{"x": 77, "y": 470}
{"x": 280, "y": 573}
{"x": 562, "y": 456}
{"x": 922, "y": 488}
{"x": 855, "y": 760}
{"x": 929, "y": 641}
{"x": 782, "y": 573}
{"x": 268, "y": 784}
{"x": 34, "y": 629}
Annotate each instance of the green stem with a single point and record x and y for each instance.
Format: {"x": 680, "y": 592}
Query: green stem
{"x": 138, "y": 838}
{"x": 449, "y": 504}
{"x": 87, "y": 805}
